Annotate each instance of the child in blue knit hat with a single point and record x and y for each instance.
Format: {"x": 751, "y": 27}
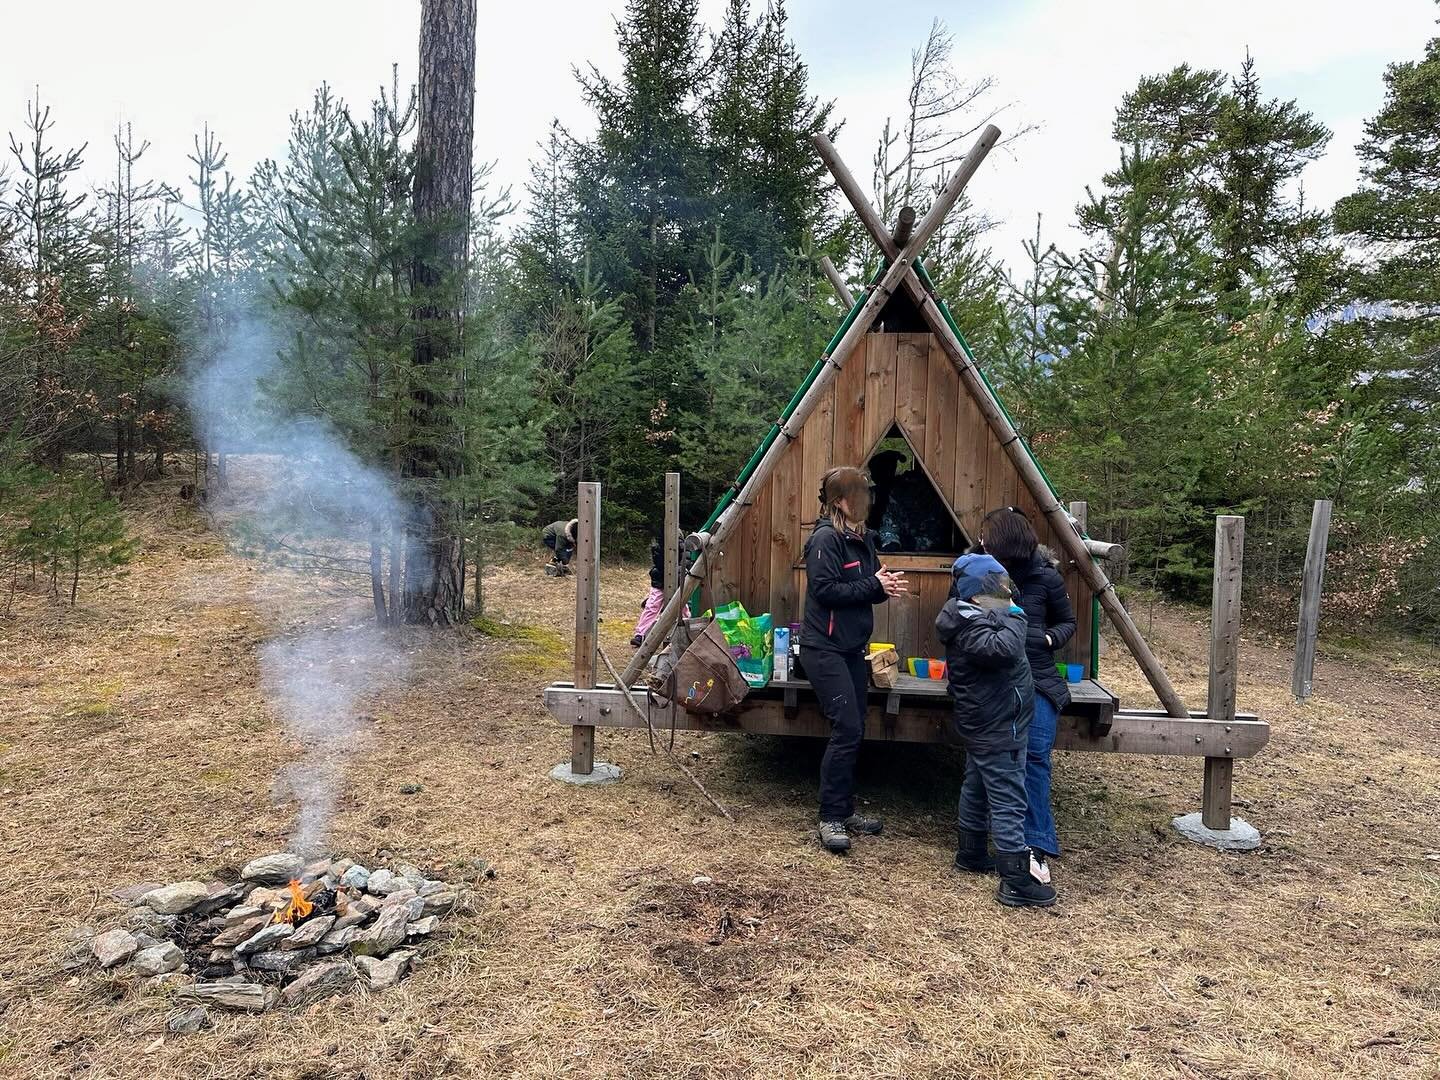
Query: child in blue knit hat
{"x": 983, "y": 631}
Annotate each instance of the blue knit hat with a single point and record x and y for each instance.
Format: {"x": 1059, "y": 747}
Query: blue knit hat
{"x": 976, "y": 574}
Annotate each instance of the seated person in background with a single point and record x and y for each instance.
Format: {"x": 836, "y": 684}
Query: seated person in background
{"x": 559, "y": 537}
{"x": 984, "y": 635}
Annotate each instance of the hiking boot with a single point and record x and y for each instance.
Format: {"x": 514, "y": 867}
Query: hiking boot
{"x": 636, "y": 641}
{"x": 865, "y": 826}
{"x": 1017, "y": 887}
{"x": 971, "y": 854}
{"x": 834, "y": 836}
{"x": 1039, "y": 867}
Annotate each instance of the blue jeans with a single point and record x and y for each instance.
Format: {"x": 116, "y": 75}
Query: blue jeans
{"x": 1039, "y": 819}
{"x": 992, "y": 798}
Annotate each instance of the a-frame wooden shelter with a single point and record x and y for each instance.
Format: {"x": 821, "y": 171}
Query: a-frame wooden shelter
{"x": 896, "y": 388}
{"x": 898, "y": 368}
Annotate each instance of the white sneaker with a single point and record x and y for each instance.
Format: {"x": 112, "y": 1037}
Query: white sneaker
{"x": 1039, "y": 868}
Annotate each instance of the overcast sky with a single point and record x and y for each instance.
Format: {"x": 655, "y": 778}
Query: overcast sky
{"x": 168, "y": 67}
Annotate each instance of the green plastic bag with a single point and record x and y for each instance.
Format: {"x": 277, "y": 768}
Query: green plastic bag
{"x": 749, "y": 639}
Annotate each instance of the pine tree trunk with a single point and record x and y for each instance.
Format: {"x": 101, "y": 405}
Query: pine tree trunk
{"x": 377, "y": 579}
{"x": 119, "y": 452}
{"x": 444, "y": 146}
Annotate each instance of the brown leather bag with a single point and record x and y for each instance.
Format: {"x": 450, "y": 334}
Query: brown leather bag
{"x": 704, "y": 679}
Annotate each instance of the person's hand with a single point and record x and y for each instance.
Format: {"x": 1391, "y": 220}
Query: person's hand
{"x": 892, "y": 581}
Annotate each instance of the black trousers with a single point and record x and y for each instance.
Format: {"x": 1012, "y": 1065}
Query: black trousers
{"x": 841, "y": 682}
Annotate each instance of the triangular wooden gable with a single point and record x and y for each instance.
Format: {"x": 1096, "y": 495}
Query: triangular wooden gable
{"x": 891, "y": 380}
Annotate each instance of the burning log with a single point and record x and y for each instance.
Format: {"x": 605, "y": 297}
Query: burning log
{"x": 299, "y": 907}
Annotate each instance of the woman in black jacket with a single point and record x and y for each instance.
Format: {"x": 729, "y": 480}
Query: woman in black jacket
{"x": 844, "y": 580}
{"x": 1008, "y": 536}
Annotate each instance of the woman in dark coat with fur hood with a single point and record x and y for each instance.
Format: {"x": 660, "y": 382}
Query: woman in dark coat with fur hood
{"x": 1007, "y": 535}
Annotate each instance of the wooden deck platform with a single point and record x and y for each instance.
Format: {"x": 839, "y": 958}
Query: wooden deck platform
{"x": 918, "y": 710}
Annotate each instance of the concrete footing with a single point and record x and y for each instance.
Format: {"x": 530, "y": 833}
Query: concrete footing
{"x": 604, "y": 773}
{"x": 1241, "y": 836}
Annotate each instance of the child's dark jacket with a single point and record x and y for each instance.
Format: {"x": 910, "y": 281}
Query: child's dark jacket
{"x": 990, "y": 681}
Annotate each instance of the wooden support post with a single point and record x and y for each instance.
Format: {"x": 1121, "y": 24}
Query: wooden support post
{"x": 1302, "y": 679}
{"x": 1224, "y": 662}
{"x": 1080, "y": 511}
{"x": 1010, "y": 440}
{"x": 671, "y": 547}
{"x": 587, "y": 619}
{"x": 837, "y": 282}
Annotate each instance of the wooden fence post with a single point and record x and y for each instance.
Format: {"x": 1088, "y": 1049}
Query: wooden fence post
{"x": 1302, "y": 679}
{"x": 1080, "y": 511}
{"x": 670, "y": 550}
{"x": 587, "y": 619}
{"x": 1224, "y": 662}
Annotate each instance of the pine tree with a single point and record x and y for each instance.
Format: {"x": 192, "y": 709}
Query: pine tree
{"x": 220, "y": 259}
{"x": 1260, "y": 148}
{"x": 343, "y": 252}
{"x": 585, "y": 374}
{"x": 1389, "y": 342}
{"x": 53, "y": 227}
{"x": 1237, "y": 155}
{"x": 1130, "y": 334}
{"x": 443, "y": 195}
{"x": 770, "y": 187}
{"x": 545, "y": 250}
{"x": 133, "y": 344}
{"x": 641, "y": 183}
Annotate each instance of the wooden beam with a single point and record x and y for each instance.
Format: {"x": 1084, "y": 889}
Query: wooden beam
{"x": 670, "y": 551}
{"x": 792, "y": 713}
{"x": 903, "y": 225}
{"x": 587, "y": 618}
{"x": 1009, "y": 438}
{"x": 1302, "y": 678}
{"x": 837, "y": 282}
{"x": 857, "y": 198}
{"x": 1080, "y": 511}
{"x": 1101, "y": 550}
{"x": 1224, "y": 660}
{"x": 876, "y": 297}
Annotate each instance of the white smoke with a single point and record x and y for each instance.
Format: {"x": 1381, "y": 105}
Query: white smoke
{"x": 309, "y": 485}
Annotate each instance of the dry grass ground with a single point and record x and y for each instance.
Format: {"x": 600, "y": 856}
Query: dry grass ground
{"x": 135, "y": 745}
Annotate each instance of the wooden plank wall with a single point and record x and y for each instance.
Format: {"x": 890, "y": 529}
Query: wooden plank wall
{"x": 890, "y": 378}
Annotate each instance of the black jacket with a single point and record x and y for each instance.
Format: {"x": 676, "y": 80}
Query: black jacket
{"x": 841, "y": 589}
{"x": 1040, "y": 590}
{"x": 990, "y": 683}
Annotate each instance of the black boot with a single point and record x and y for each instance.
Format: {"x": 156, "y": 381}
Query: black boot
{"x": 1017, "y": 887}
{"x": 971, "y": 855}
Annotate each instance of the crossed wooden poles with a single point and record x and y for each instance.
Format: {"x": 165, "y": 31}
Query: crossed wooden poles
{"x": 901, "y": 251}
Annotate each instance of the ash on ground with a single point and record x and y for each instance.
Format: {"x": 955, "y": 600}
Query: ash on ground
{"x": 288, "y": 932}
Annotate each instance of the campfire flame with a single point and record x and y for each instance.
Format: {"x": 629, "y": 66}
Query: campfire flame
{"x": 298, "y": 907}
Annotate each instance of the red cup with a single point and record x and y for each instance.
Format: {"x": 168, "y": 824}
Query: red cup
{"x": 937, "y": 669}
